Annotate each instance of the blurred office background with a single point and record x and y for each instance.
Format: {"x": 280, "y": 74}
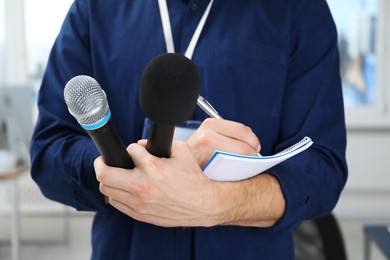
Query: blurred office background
{"x": 32, "y": 227}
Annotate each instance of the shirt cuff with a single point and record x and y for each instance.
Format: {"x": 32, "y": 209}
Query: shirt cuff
{"x": 86, "y": 193}
{"x": 296, "y": 191}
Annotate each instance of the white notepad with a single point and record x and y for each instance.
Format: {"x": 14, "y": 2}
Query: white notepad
{"x": 224, "y": 166}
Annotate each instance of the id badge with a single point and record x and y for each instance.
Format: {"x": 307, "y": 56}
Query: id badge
{"x": 182, "y": 131}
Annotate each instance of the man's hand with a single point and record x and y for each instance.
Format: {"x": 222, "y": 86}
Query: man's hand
{"x": 228, "y": 136}
{"x": 161, "y": 191}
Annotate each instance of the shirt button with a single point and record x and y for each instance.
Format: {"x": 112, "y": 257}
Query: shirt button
{"x": 194, "y": 7}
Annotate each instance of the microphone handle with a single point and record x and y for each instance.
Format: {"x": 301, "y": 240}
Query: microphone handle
{"x": 110, "y": 146}
{"x": 160, "y": 139}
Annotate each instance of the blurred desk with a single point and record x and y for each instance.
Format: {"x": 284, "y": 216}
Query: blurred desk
{"x": 380, "y": 235}
{"x": 14, "y": 173}
{"x": 12, "y": 176}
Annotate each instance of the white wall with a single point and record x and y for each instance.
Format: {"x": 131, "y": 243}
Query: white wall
{"x": 367, "y": 192}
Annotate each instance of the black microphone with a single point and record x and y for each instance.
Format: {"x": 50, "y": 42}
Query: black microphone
{"x": 168, "y": 94}
{"x": 87, "y": 102}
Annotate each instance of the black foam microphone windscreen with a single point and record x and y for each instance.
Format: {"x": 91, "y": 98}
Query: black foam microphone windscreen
{"x": 169, "y": 89}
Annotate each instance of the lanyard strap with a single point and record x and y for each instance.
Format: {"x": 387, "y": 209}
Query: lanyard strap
{"x": 166, "y": 24}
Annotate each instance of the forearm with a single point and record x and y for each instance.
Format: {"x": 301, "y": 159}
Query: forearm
{"x": 253, "y": 202}
{"x": 257, "y": 202}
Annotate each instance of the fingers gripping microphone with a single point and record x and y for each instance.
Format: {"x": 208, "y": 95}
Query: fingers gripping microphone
{"x": 87, "y": 102}
{"x": 168, "y": 94}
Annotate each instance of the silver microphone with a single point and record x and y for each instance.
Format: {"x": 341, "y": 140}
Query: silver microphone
{"x": 87, "y": 102}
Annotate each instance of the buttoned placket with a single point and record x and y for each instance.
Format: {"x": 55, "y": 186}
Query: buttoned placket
{"x": 194, "y": 21}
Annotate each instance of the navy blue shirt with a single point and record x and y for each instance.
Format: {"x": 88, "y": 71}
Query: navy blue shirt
{"x": 272, "y": 65}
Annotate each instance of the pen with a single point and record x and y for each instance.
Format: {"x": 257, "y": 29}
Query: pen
{"x": 210, "y": 110}
{"x": 207, "y": 107}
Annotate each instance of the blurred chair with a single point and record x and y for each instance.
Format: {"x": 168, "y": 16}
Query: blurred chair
{"x": 380, "y": 235}
{"x": 319, "y": 239}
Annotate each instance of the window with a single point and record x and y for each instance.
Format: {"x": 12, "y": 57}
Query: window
{"x": 43, "y": 19}
{"x": 357, "y": 28}
{"x": 362, "y": 39}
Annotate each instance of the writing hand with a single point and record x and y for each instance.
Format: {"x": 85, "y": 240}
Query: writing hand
{"x": 228, "y": 136}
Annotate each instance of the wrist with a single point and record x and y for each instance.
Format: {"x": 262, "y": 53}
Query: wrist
{"x": 254, "y": 202}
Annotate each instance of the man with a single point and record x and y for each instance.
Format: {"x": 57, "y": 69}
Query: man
{"x": 270, "y": 67}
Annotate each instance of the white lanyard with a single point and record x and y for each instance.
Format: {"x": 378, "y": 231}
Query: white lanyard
{"x": 166, "y": 24}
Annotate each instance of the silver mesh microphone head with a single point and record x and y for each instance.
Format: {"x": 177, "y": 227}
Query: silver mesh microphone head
{"x": 86, "y": 100}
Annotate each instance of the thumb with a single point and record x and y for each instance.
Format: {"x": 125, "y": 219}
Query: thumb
{"x": 139, "y": 154}
{"x": 142, "y": 142}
